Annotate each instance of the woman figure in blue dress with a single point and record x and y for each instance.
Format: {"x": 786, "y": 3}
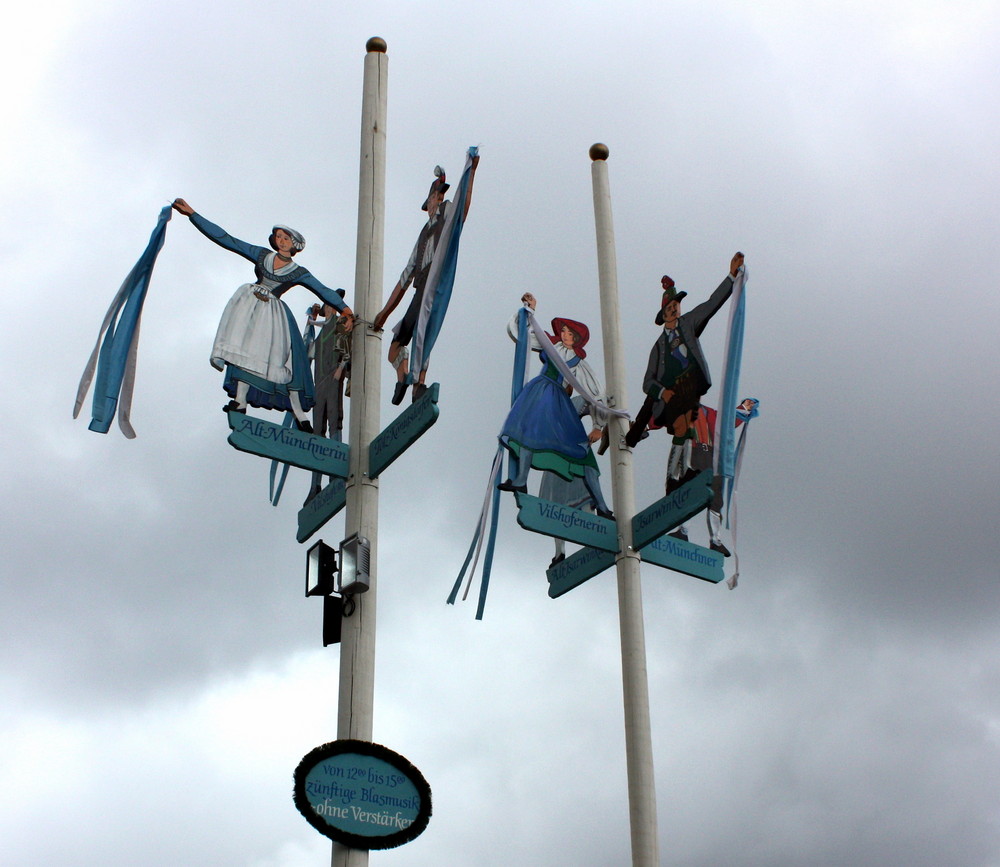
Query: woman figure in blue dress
{"x": 258, "y": 342}
{"x": 543, "y": 429}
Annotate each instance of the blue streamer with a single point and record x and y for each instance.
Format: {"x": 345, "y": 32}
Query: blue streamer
{"x": 446, "y": 276}
{"x": 275, "y": 495}
{"x": 477, "y": 535}
{"x": 488, "y": 560}
{"x": 115, "y": 359}
{"x": 468, "y": 559}
{"x": 492, "y": 507}
{"x": 725, "y": 431}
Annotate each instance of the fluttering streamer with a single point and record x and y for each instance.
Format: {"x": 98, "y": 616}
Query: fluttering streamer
{"x": 114, "y": 356}
{"x": 491, "y": 503}
{"x": 441, "y": 277}
{"x": 725, "y": 420}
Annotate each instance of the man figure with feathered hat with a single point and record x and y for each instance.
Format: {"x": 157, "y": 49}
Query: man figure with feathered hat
{"x": 677, "y": 373}
{"x": 416, "y": 271}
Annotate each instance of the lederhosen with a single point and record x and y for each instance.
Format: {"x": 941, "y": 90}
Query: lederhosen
{"x": 403, "y": 332}
{"x": 687, "y": 383}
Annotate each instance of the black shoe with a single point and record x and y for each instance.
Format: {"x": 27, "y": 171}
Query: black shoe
{"x": 304, "y": 426}
{"x": 557, "y": 560}
{"x": 605, "y": 441}
{"x": 679, "y": 533}
{"x": 399, "y": 392}
{"x": 419, "y": 390}
{"x": 634, "y": 434}
{"x": 510, "y": 486}
{"x": 606, "y": 513}
{"x": 233, "y": 406}
{"x": 718, "y": 546}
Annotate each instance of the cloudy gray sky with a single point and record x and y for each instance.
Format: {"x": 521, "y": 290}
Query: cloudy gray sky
{"x": 162, "y": 673}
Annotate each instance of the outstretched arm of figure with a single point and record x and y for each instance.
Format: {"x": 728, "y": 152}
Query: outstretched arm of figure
{"x": 700, "y": 315}
{"x": 527, "y": 300}
{"x": 394, "y": 298}
{"x": 325, "y": 294}
{"x": 397, "y": 291}
{"x": 217, "y": 234}
{"x": 586, "y": 377}
{"x": 472, "y": 180}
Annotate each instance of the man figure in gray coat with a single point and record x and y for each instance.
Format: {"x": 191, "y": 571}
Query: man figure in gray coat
{"x": 677, "y": 374}
{"x": 416, "y": 271}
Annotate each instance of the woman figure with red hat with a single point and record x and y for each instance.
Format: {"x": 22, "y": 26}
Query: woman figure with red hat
{"x": 543, "y": 429}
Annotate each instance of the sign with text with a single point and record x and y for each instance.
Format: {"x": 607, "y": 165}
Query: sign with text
{"x": 403, "y": 432}
{"x": 672, "y": 510}
{"x": 565, "y": 522}
{"x": 285, "y": 444}
{"x": 362, "y": 795}
{"x": 315, "y": 513}
{"x": 685, "y": 557}
{"x": 577, "y": 568}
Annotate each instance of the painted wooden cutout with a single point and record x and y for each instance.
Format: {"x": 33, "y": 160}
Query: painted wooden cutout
{"x": 259, "y": 437}
{"x": 565, "y": 522}
{"x": 702, "y": 458}
{"x": 257, "y": 342}
{"x": 543, "y": 428}
{"x": 431, "y": 270}
{"x": 677, "y": 373}
{"x": 330, "y": 350}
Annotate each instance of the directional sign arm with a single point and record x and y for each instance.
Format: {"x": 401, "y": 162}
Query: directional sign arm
{"x": 407, "y": 428}
{"x": 258, "y": 437}
{"x": 565, "y": 522}
{"x": 684, "y": 557}
{"x": 672, "y": 510}
{"x": 577, "y": 568}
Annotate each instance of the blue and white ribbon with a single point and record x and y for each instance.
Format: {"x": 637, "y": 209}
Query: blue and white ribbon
{"x": 114, "y": 357}
{"x": 441, "y": 277}
{"x": 489, "y": 514}
{"x": 725, "y": 420}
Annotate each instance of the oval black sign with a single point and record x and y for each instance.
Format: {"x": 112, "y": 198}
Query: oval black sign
{"x": 362, "y": 794}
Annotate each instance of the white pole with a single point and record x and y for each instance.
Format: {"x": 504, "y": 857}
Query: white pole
{"x": 635, "y": 684}
{"x": 357, "y": 644}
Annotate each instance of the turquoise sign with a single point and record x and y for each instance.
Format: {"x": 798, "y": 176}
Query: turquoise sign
{"x": 685, "y": 557}
{"x": 403, "y": 432}
{"x": 321, "y": 508}
{"x": 285, "y": 444}
{"x": 577, "y": 568}
{"x": 672, "y": 511}
{"x": 565, "y": 522}
{"x": 362, "y": 794}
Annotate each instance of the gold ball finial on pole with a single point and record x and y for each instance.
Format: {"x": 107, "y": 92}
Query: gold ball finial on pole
{"x": 599, "y": 151}
{"x": 376, "y": 43}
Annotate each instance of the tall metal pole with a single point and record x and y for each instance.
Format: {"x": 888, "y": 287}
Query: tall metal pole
{"x": 635, "y": 683}
{"x": 357, "y": 645}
